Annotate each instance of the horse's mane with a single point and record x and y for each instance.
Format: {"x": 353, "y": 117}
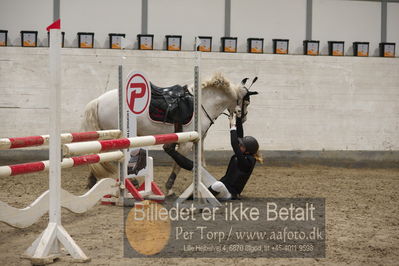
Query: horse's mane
{"x": 218, "y": 81}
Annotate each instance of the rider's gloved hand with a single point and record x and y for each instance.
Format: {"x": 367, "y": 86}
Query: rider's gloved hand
{"x": 238, "y": 111}
{"x": 232, "y": 121}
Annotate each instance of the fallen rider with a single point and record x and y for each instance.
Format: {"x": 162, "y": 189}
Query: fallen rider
{"x": 241, "y": 165}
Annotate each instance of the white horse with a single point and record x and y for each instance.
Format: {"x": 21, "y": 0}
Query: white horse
{"x": 218, "y": 94}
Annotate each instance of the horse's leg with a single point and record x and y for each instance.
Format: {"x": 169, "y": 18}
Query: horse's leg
{"x": 203, "y": 155}
{"x": 183, "y": 149}
{"x": 203, "y": 159}
{"x": 91, "y": 180}
{"x": 171, "y": 179}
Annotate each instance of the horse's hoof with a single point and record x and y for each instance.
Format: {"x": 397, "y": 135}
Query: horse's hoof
{"x": 170, "y": 193}
{"x": 135, "y": 183}
{"x": 91, "y": 181}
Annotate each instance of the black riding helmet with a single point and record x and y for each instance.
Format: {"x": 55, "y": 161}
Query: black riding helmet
{"x": 250, "y": 143}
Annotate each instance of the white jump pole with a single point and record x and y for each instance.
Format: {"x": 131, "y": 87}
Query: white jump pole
{"x": 22, "y": 142}
{"x": 41, "y": 166}
{"x": 46, "y": 247}
{"x": 79, "y": 148}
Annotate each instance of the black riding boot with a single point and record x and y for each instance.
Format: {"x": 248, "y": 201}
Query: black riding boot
{"x": 181, "y": 160}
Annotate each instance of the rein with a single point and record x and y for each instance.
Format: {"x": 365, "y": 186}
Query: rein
{"x": 210, "y": 119}
{"x": 208, "y": 116}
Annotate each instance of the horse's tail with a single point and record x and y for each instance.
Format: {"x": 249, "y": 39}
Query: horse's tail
{"x": 91, "y": 123}
{"x": 90, "y": 119}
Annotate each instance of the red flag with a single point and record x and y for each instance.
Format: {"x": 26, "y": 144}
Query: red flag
{"x": 56, "y": 25}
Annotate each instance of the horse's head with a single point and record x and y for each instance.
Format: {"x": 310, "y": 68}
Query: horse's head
{"x": 244, "y": 95}
{"x": 218, "y": 94}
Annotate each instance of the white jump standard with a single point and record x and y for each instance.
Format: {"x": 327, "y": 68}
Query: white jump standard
{"x": 47, "y": 246}
{"x": 202, "y": 197}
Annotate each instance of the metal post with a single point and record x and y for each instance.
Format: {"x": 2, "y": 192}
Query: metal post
{"x": 122, "y": 121}
{"x": 197, "y": 128}
{"x": 227, "y": 18}
{"x": 56, "y": 10}
{"x": 309, "y": 16}
{"x": 144, "y": 16}
{"x": 384, "y": 11}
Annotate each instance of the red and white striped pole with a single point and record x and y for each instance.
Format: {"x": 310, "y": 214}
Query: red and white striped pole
{"x": 25, "y": 168}
{"x": 73, "y": 149}
{"x": 21, "y": 142}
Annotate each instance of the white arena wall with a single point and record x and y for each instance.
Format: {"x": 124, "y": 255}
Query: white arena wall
{"x": 305, "y": 103}
{"x": 349, "y": 21}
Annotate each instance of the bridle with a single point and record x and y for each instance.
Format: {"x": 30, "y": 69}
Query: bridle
{"x": 212, "y": 120}
{"x": 244, "y": 99}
